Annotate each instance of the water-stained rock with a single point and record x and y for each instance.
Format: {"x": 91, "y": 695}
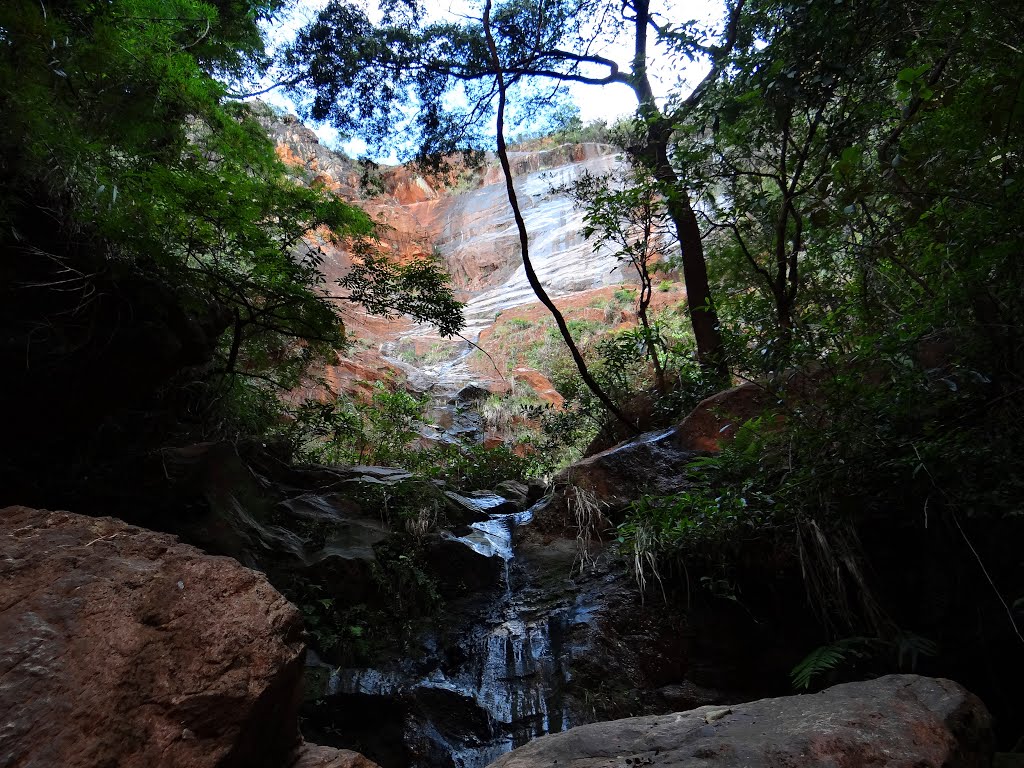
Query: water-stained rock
{"x": 899, "y": 721}
{"x": 124, "y": 647}
{"x": 599, "y": 486}
{"x": 301, "y": 525}
{"x": 514, "y": 491}
{"x": 479, "y": 505}
{"x": 590, "y": 493}
{"x": 461, "y": 568}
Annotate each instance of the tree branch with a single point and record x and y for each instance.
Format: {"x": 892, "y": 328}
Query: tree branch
{"x": 531, "y": 274}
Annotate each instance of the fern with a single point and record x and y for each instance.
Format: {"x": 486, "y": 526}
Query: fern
{"x": 906, "y": 649}
{"x": 826, "y": 658}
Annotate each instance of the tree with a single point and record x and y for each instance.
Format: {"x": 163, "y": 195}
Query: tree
{"x": 625, "y": 212}
{"x": 805, "y": 91}
{"x": 803, "y": 167}
{"x": 154, "y": 249}
{"x": 524, "y": 247}
{"x": 363, "y": 77}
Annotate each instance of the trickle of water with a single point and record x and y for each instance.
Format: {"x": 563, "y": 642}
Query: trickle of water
{"x": 516, "y": 674}
{"x": 513, "y": 675}
{"x": 493, "y": 537}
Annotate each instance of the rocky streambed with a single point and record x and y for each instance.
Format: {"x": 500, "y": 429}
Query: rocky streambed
{"x": 494, "y": 672}
{"x": 124, "y": 647}
{"x": 441, "y": 628}
{"x": 444, "y": 630}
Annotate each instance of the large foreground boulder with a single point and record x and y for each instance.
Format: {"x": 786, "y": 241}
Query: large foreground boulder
{"x": 312, "y": 756}
{"x": 124, "y": 647}
{"x": 899, "y": 721}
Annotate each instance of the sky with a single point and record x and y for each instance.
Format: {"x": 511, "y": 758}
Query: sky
{"x": 605, "y": 103}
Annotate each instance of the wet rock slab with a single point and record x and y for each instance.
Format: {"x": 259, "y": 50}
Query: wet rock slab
{"x": 611, "y": 479}
{"x": 492, "y": 675}
{"x": 899, "y": 721}
{"x": 653, "y": 462}
{"x": 476, "y": 507}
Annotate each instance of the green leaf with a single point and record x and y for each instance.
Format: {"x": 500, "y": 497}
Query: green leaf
{"x": 826, "y": 658}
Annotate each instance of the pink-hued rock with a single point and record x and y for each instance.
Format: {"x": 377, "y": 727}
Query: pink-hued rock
{"x": 715, "y": 420}
{"x": 899, "y": 721}
{"x": 312, "y": 756}
{"x": 540, "y": 384}
{"x": 123, "y": 647}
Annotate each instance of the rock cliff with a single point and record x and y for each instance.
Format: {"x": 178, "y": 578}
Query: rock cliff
{"x": 465, "y": 220}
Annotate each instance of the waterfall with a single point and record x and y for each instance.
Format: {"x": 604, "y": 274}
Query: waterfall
{"x": 508, "y": 684}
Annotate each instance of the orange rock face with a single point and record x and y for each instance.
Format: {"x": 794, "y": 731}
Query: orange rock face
{"x": 715, "y": 420}
{"x": 465, "y": 220}
{"x": 536, "y": 380}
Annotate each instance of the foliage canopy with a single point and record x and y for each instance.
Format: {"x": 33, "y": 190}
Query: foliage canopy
{"x": 125, "y": 163}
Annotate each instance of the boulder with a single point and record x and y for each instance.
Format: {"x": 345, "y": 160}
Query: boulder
{"x": 299, "y": 524}
{"x": 460, "y": 568}
{"x": 606, "y": 483}
{"x": 470, "y": 394}
{"x": 463, "y": 509}
{"x": 899, "y": 721}
{"x": 312, "y": 756}
{"x": 715, "y": 420}
{"x": 514, "y": 491}
{"x": 329, "y": 540}
{"x": 124, "y": 647}
{"x": 651, "y": 463}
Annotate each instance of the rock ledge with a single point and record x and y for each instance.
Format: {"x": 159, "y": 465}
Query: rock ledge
{"x": 899, "y": 721}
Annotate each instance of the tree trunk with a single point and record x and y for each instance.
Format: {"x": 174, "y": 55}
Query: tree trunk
{"x": 531, "y": 274}
{"x": 703, "y": 317}
{"x": 654, "y": 152}
{"x": 706, "y": 331}
{"x": 236, "y": 345}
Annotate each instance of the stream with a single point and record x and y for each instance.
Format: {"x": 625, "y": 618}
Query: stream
{"x": 490, "y": 680}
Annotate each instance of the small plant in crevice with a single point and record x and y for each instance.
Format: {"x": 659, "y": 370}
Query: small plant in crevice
{"x": 475, "y": 467}
{"x": 588, "y": 514}
{"x": 519, "y": 405}
{"x": 902, "y": 652}
{"x": 401, "y": 574}
{"x": 726, "y": 503}
{"x": 341, "y": 631}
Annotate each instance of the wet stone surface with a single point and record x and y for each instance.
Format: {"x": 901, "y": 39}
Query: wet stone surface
{"x": 493, "y": 674}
